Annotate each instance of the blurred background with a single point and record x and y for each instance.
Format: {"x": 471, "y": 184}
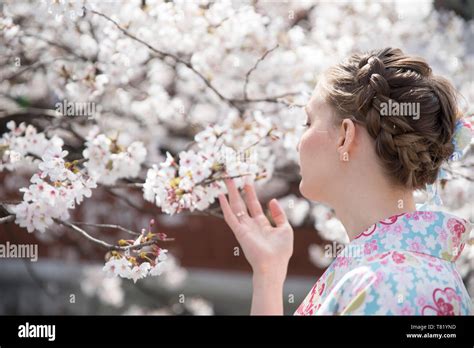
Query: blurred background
{"x": 267, "y": 55}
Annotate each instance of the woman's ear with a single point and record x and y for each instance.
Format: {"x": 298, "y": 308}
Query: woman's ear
{"x": 346, "y": 137}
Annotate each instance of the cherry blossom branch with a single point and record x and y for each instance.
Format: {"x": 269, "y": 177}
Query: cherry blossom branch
{"x": 231, "y": 101}
{"x": 69, "y": 128}
{"x": 30, "y": 111}
{"x": 103, "y": 243}
{"x": 209, "y": 181}
{"x": 247, "y": 75}
{"x": 117, "y": 227}
{"x": 208, "y": 212}
{"x": 125, "y": 200}
{"x": 126, "y": 185}
{"x": 9, "y": 202}
{"x": 204, "y": 213}
{"x": 458, "y": 175}
{"x": 302, "y": 15}
{"x": 217, "y": 25}
{"x": 58, "y": 45}
{"x": 85, "y": 234}
{"x": 277, "y": 99}
{"x": 38, "y": 64}
{"x": 7, "y": 219}
{"x": 259, "y": 140}
{"x": 163, "y": 54}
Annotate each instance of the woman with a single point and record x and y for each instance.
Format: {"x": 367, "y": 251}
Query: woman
{"x": 364, "y": 158}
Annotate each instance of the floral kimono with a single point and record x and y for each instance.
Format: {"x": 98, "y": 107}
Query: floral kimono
{"x": 403, "y": 265}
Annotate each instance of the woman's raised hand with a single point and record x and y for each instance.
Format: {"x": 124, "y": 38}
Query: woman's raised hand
{"x": 268, "y": 249}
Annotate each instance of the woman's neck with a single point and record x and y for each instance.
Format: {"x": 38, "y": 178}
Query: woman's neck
{"x": 367, "y": 204}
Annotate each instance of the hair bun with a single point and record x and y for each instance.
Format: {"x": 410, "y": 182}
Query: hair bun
{"x": 373, "y": 84}
{"x": 369, "y": 66}
{"x": 412, "y": 147}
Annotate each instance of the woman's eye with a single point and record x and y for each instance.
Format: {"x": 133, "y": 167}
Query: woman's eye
{"x": 307, "y": 125}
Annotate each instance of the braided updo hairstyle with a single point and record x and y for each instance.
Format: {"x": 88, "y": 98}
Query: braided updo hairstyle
{"x": 410, "y": 149}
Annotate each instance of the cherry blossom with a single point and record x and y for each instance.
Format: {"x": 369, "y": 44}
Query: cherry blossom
{"x": 188, "y": 93}
{"x": 44, "y": 201}
{"x": 138, "y": 258}
{"x": 195, "y": 179}
{"x": 22, "y": 145}
{"x": 110, "y": 161}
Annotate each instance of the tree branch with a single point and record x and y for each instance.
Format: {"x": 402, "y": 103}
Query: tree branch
{"x": 247, "y": 75}
{"x": 102, "y": 243}
{"x": 164, "y": 54}
{"x": 278, "y": 99}
{"x": 59, "y": 45}
{"x": 126, "y": 185}
{"x": 35, "y": 65}
{"x": 30, "y": 111}
{"x": 7, "y": 219}
{"x": 457, "y": 175}
{"x": 125, "y": 200}
{"x": 118, "y": 227}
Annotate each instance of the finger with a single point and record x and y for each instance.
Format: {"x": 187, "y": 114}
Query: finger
{"x": 277, "y": 212}
{"x": 229, "y": 215}
{"x": 252, "y": 201}
{"x": 236, "y": 202}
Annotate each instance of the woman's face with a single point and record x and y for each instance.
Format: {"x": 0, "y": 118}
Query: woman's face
{"x": 319, "y": 159}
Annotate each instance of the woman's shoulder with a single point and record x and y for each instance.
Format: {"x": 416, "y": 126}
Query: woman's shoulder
{"x": 401, "y": 265}
{"x": 433, "y": 233}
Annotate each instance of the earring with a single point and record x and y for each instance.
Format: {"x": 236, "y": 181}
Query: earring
{"x": 344, "y": 157}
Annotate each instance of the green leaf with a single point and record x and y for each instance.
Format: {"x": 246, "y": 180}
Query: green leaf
{"x": 23, "y": 102}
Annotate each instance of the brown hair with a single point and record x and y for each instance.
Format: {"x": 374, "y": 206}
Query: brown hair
{"x": 410, "y": 149}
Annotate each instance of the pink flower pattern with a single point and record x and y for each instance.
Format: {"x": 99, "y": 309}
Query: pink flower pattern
{"x": 415, "y": 278}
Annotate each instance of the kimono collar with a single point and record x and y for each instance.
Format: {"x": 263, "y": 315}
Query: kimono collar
{"x": 433, "y": 233}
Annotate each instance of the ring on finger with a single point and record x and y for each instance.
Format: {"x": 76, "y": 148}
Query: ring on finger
{"x": 240, "y": 214}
